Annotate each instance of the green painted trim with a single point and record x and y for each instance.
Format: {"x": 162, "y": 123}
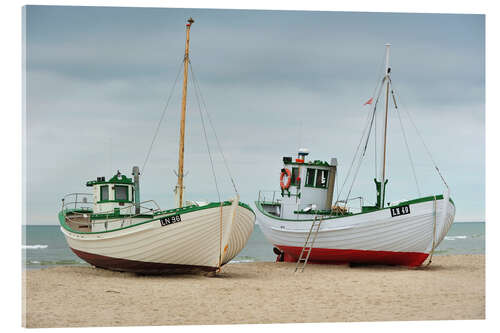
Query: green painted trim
{"x": 106, "y": 201}
{"x": 409, "y": 202}
{"x": 424, "y": 199}
{"x": 314, "y": 163}
{"x": 270, "y": 203}
{"x": 378, "y": 187}
{"x": 244, "y": 205}
{"x": 320, "y": 212}
{"x": 367, "y": 209}
{"x": 112, "y": 215}
{"x": 101, "y": 188}
{"x": 126, "y": 191}
{"x": 180, "y": 211}
{"x": 311, "y": 186}
{"x": 114, "y": 180}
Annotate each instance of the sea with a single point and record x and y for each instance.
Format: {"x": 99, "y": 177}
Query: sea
{"x": 44, "y": 246}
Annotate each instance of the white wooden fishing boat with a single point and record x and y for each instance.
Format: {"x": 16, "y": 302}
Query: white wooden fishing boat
{"x": 111, "y": 228}
{"x": 305, "y": 225}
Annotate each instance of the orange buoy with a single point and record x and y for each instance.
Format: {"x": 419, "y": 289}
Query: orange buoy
{"x": 288, "y": 180}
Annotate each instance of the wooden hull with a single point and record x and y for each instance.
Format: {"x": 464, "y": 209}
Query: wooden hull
{"x": 202, "y": 241}
{"x": 367, "y": 238}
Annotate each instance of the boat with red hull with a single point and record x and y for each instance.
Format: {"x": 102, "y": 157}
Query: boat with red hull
{"x": 305, "y": 224}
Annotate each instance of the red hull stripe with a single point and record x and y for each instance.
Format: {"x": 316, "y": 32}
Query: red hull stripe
{"x": 341, "y": 256}
{"x": 125, "y": 265}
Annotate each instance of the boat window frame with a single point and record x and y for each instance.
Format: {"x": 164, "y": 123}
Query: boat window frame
{"x": 313, "y": 170}
{"x": 101, "y": 188}
{"x": 318, "y": 179}
{"x": 116, "y": 192}
{"x": 294, "y": 176}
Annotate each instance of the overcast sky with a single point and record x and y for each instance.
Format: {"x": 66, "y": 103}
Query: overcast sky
{"x": 97, "y": 80}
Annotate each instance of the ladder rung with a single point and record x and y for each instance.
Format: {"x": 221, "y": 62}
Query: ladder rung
{"x": 308, "y": 245}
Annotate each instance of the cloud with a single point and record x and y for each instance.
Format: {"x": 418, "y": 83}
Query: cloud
{"x": 98, "y": 79}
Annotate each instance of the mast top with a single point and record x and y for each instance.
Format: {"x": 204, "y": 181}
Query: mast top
{"x": 190, "y": 21}
{"x": 387, "y": 68}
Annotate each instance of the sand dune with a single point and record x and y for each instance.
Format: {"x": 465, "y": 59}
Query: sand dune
{"x": 453, "y": 287}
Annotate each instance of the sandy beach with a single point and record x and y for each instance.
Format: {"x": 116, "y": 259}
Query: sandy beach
{"x": 453, "y": 287}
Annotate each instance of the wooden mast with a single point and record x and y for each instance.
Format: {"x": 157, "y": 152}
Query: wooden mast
{"x": 180, "y": 174}
{"x": 387, "y": 72}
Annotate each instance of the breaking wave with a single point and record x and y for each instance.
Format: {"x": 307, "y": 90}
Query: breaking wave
{"x": 54, "y": 262}
{"x": 451, "y": 238}
{"x": 34, "y": 247}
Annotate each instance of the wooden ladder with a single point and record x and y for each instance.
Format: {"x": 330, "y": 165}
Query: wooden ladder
{"x": 308, "y": 245}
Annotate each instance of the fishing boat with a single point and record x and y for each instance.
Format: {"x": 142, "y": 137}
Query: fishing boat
{"x": 305, "y": 224}
{"x": 111, "y": 228}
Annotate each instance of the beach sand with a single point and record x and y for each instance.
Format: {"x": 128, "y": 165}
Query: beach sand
{"x": 453, "y": 287}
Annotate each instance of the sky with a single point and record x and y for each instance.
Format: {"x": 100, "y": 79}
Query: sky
{"x": 97, "y": 80}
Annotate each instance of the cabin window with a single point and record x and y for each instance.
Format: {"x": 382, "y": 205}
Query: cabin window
{"x": 295, "y": 175}
{"x": 310, "y": 177}
{"x": 104, "y": 192}
{"x": 322, "y": 178}
{"x": 121, "y": 192}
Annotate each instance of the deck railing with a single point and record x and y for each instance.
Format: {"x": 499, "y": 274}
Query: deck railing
{"x": 274, "y": 197}
{"x": 351, "y": 208}
{"x": 80, "y": 206}
{"x": 269, "y": 196}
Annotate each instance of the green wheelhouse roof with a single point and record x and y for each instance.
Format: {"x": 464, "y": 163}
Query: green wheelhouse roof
{"x": 116, "y": 179}
{"x": 311, "y": 163}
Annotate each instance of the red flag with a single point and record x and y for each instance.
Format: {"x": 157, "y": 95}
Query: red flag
{"x": 369, "y": 101}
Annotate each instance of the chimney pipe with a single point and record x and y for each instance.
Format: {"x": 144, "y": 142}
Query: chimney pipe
{"x": 137, "y": 198}
{"x": 331, "y": 183}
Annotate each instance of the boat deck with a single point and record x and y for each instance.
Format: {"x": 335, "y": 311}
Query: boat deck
{"x": 78, "y": 221}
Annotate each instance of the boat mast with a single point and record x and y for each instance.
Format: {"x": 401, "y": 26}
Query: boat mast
{"x": 386, "y": 78}
{"x": 180, "y": 174}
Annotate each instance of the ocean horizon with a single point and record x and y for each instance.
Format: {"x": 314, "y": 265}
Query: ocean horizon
{"x": 44, "y": 245}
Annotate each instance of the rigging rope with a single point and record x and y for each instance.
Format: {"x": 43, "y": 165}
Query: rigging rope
{"x": 361, "y": 157}
{"x": 199, "y": 96}
{"x": 161, "y": 118}
{"x": 423, "y": 142}
{"x": 405, "y": 140}
{"x": 375, "y": 144}
{"x": 353, "y": 159}
{"x": 366, "y": 142}
{"x": 205, "y": 134}
{"x": 195, "y": 80}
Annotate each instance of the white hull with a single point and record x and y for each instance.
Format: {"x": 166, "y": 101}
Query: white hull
{"x": 373, "y": 237}
{"x": 198, "y": 241}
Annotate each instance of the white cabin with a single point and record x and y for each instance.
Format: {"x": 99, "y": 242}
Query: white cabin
{"x": 113, "y": 196}
{"x": 310, "y": 190}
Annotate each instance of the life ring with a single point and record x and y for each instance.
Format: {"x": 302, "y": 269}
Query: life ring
{"x": 289, "y": 178}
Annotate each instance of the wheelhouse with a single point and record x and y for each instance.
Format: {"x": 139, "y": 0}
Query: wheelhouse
{"x": 310, "y": 189}
{"x": 117, "y": 192}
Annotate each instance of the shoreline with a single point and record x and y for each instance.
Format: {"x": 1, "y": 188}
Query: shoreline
{"x": 452, "y": 287}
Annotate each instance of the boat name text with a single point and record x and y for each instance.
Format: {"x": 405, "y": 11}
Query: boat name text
{"x": 401, "y": 210}
{"x": 170, "y": 220}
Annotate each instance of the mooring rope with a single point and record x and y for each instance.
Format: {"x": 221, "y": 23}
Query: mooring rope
{"x": 433, "y": 234}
